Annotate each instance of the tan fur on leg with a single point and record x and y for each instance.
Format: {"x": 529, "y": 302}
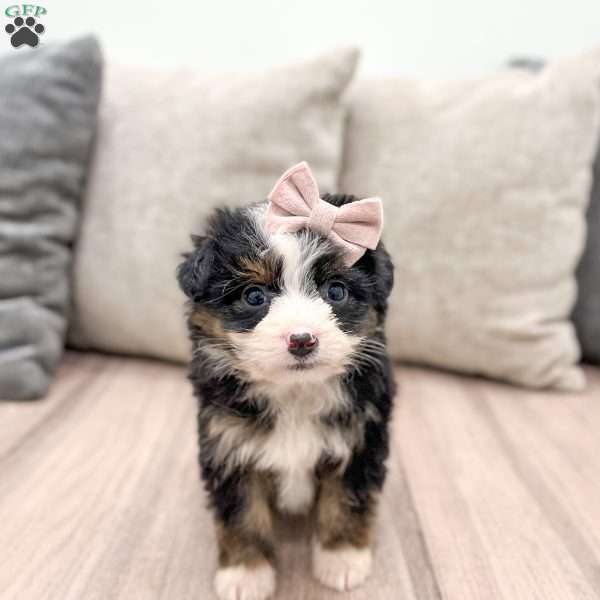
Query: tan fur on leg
{"x": 246, "y": 554}
{"x": 341, "y": 553}
{"x": 337, "y": 523}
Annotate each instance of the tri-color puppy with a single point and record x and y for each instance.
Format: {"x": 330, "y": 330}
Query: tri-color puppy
{"x": 287, "y": 303}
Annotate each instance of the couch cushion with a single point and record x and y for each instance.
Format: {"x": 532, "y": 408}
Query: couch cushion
{"x": 485, "y": 183}
{"x": 171, "y": 147}
{"x": 48, "y": 101}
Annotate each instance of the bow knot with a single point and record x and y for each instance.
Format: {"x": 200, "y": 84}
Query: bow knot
{"x": 322, "y": 218}
{"x": 295, "y": 204}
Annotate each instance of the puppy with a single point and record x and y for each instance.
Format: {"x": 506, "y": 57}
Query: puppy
{"x": 287, "y": 303}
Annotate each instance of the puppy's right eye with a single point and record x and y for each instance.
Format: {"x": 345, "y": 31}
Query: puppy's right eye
{"x": 254, "y": 296}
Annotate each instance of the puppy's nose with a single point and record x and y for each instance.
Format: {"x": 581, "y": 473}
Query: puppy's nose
{"x": 301, "y": 344}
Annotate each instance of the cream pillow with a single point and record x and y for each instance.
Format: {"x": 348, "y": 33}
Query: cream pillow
{"x": 171, "y": 147}
{"x": 485, "y": 184}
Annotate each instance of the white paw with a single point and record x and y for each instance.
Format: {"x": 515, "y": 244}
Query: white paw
{"x": 342, "y": 569}
{"x": 245, "y": 583}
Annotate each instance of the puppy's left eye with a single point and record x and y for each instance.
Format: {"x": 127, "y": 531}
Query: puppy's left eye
{"x": 336, "y": 292}
{"x": 254, "y": 296}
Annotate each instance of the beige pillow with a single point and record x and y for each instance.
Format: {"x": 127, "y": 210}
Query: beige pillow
{"x": 485, "y": 183}
{"x": 171, "y": 147}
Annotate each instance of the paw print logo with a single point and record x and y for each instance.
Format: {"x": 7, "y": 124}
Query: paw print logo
{"x": 24, "y": 32}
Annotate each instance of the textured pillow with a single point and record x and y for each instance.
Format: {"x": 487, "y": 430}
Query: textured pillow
{"x": 48, "y": 101}
{"x": 586, "y": 314}
{"x": 486, "y": 183}
{"x": 171, "y": 147}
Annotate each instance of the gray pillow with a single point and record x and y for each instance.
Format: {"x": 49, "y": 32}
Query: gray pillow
{"x": 48, "y": 103}
{"x": 586, "y": 314}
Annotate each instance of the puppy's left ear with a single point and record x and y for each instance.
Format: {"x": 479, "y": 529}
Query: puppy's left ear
{"x": 193, "y": 272}
{"x": 378, "y": 264}
{"x": 384, "y": 275}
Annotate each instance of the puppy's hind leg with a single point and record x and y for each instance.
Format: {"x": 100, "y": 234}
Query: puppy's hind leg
{"x": 246, "y": 545}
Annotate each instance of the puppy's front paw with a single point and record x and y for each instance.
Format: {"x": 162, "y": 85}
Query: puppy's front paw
{"x": 245, "y": 583}
{"x": 342, "y": 569}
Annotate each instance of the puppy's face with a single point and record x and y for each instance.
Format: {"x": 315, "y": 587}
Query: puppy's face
{"x": 281, "y": 308}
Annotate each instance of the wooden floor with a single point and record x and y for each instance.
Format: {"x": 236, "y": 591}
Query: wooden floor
{"x": 493, "y": 493}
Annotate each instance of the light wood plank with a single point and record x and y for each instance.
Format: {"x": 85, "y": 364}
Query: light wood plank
{"x": 20, "y": 419}
{"x": 78, "y": 498}
{"x": 553, "y": 443}
{"x": 457, "y": 554}
{"x": 493, "y": 515}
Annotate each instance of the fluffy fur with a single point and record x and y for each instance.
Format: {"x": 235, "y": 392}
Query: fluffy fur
{"x": 281, "y": 430}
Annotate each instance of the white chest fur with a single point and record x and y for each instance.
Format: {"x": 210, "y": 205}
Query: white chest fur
{"x": 292, "y": 451}
{"x": 297, "y": 442}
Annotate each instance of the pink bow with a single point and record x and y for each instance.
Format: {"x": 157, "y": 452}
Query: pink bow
{"x": 295, "y": 204}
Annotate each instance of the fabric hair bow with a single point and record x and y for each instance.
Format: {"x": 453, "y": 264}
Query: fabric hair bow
{"x": 295, "y": 204}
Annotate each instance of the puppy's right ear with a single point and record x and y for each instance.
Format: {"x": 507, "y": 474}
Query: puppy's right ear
{"x": 192, "y": 273}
